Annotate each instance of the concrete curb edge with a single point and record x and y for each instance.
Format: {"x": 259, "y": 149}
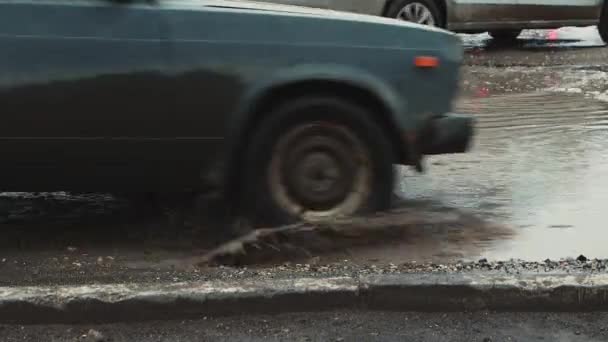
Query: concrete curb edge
{"x": 406, "y": 292}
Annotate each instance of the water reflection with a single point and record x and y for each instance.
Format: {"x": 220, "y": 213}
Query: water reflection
{"x": 542, "y": 157}
{"x": 566, "y": 37}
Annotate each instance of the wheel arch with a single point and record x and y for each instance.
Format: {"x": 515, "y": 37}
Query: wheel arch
{"x": 366, "y": 91}
{"x": 441, "y": 4}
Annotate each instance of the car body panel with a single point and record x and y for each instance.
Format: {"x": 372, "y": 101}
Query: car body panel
{"x": 268, "y": 58}
{"x": 465, "y": 15}
{"x": 159, "y": 95}
{"x": 80, "y": 92}
{"x": 263, "y": 60}
{"x": 373, "y": 7}
{"x": 482, "y": 15}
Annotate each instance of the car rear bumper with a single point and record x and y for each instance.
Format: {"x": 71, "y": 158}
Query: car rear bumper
{"x": 449, "y": 133}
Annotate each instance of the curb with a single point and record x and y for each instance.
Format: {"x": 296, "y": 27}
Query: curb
{"x": 408, "y": 292}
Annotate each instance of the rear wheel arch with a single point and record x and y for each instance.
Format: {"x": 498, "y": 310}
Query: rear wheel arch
{"x": 441, "y": 6}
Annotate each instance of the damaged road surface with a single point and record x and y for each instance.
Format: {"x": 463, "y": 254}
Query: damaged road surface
{"x": 113, "y": 247}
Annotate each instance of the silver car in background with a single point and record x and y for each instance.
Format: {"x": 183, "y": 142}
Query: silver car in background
{"x": 503, "y": 19}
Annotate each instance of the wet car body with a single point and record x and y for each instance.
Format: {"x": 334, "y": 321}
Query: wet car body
{"x": 470, "y": 16}
{"x": 479, "y": 16}
{"x": 163, "y": 96}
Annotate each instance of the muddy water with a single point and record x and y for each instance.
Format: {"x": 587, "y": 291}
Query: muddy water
{"x": 539, "y": 164}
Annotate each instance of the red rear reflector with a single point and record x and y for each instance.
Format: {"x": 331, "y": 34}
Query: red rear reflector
{"x": 426, "y": 62}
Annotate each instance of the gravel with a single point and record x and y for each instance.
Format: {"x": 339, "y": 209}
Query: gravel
{"x": 345, "y": 268}
{"x": 92, "y": 271}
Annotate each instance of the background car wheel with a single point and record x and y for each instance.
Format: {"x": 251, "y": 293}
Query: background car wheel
{"x": 316, "y": 158}
{"x": 505, "y": 35}
{"x": 423, "y": 12}
{"x": 603, "y": 25}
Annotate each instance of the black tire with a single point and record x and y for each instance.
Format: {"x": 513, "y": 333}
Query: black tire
{"x": 602, "y": 27}
{"x": 325, "y": 123}
{"x": 397, "y": 7}
{"x": 505, "y": 35}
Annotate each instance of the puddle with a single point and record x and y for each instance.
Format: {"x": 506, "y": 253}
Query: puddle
{"x": 543, "y": 160}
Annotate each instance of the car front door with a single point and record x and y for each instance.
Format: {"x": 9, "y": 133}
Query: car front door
{"x": 562, "y": 12}
{"x": 81, "y": 96}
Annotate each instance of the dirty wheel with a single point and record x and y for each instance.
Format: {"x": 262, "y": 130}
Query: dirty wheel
{"x": 602, "y": 27}
{"x": 505, "y": 35}
{"x": 423, "y": 12}
{"x": 314, "y": 159}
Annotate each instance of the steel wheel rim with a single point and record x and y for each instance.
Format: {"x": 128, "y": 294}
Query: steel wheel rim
{"x": 357, "y": 193}
{"x": 417, "y": 13}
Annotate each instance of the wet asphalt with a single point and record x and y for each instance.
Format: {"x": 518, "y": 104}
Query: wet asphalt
{"x": 539, "y": 155}
{"x": 336, "y": 327}
{"x": 531, "y": 189}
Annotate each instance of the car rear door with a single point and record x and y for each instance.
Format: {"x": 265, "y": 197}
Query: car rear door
{"x": 515, "y": 14}
{"x": 561, "y": 11}
{"x": 81, "y": 91}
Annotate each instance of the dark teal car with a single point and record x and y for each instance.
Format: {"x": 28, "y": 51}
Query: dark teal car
{"x": 292, "y": 112}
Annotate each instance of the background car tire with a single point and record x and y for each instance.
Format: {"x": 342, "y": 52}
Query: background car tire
{"x": 412, "y": 10}
{"x": 280, "y": 160}
{"x": 603, "y": 25}
{"x": 505, "y": 35}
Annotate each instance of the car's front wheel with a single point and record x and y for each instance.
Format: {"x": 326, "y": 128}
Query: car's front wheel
{"x": 314, "y": 159}
{"x": 423, "y": 12}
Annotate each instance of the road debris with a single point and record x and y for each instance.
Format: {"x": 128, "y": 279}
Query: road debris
{"x": 94, "y": 336}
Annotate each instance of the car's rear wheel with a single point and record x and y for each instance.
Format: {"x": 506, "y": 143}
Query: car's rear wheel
{"x": 602, "y": 27}
{"x": 314, "y": 159}
{"x": 505, "y": 35}
{"x": 423, "y": 12}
